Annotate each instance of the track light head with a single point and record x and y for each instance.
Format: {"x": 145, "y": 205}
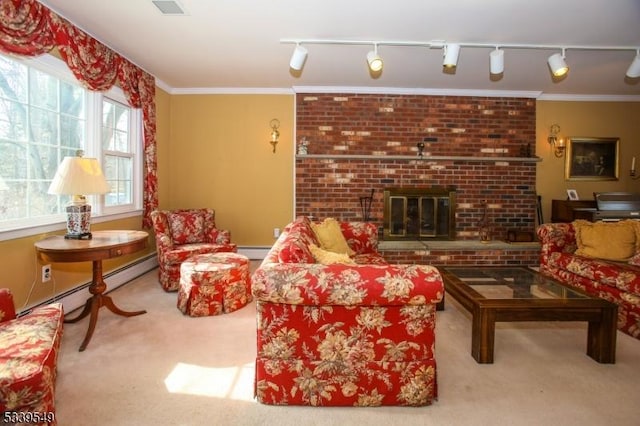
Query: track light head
{"x": 634, "y": 68}
{"x": 451, "y": 52}
{"x": 557, "y": 64}
{"x": 496, "y": 61}
{"x": 374, "y": 60}
{"x": 298, "y": 58}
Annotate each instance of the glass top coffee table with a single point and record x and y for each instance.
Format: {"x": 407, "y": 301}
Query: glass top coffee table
{"x": 495, "y": 293}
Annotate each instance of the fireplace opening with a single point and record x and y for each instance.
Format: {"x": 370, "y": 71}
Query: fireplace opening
{"x": 419, "y": 213}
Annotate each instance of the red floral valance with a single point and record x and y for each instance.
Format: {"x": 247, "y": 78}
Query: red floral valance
{"x": 28, "y": 28}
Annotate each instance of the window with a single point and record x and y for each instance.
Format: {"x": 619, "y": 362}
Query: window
{"x": 45, "y": 115}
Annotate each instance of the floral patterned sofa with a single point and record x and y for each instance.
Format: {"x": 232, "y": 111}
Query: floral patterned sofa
{"x": 181, "y": 234}
{"x": 28, "y": 357}
{"x": 616, "y": 281}
{"x": 344, "y": 334}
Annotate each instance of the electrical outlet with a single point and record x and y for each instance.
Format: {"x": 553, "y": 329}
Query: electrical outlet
{"x": 276, "y": 232}
{"x": 46, "y": 273}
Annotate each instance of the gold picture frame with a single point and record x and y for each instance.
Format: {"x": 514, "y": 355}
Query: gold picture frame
{"x": 592, "y": 159}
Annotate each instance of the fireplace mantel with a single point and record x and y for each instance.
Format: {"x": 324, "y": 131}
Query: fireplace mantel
{"x": 425, "y": 158}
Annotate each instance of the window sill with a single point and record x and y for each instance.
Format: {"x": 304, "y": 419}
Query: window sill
{"x": 30, "y": 231}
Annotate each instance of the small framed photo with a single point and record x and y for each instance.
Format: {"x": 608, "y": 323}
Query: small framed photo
{"x": 572, "y": 194}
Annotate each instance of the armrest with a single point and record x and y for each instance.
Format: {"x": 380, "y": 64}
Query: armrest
{"x": 219, "y": 236}
{"x": 557, "y": 237}
{"x": 340, "y": 284}
{"x": 362, "y": 237}
{"x": 7, "y": 307}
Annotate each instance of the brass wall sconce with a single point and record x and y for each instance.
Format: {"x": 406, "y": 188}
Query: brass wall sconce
{"x": 556, "y": 142}
{"x": 275, "y": 134}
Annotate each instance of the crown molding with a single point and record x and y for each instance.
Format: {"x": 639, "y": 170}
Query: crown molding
{"x": 540, "y": 96}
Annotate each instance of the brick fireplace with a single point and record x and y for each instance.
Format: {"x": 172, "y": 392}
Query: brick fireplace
{"x": 481, "y": 146}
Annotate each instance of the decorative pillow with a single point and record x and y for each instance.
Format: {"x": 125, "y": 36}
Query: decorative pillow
{"x": 606, "y": 240}
{"x": 187, "y": 227}
{"x": 328, "y": 257}
{"x": 330, "y": 236}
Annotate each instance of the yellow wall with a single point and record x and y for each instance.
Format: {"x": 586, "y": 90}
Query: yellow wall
{"x": 219, "y": 156}
{"x": 22, "y": 270}
{"x": 585, "y": 119}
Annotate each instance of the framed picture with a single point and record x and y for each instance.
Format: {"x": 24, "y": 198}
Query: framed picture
{"x": 572, "y": 194}
{"x": 592, "y": 159}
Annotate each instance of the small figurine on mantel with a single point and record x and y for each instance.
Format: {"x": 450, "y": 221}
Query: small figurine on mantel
{"x": 302, "y": 147}
{"x": 484, "y": 228}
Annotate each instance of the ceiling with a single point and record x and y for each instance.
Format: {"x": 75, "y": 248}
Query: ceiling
{"x": 235, "y": 45}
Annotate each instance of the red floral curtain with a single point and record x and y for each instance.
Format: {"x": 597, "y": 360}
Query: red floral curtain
{"x": 29, "y": 28}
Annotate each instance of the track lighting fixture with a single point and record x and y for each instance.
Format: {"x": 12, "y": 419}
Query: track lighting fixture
{"x": 634, "y": 68}
{"x": 374, "y": 60}
{"x": 451, "y": 52}
{"x": 496, "y": 61}
{"x": 557, "y": 64}
{"x": 298, "y": 58}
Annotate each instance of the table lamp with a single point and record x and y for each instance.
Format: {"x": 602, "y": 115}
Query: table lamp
{"x": 79, "y": 176}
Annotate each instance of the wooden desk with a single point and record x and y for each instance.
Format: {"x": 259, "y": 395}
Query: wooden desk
{"x": 570, "y": 210}
{"x": 103, "y": 245}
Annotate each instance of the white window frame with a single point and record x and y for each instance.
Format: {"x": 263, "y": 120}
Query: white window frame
{"x": 99, "y": 213}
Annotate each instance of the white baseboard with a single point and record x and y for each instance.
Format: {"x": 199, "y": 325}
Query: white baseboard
{"x": 254, "y": 252}
{"x": 77, "y": 297}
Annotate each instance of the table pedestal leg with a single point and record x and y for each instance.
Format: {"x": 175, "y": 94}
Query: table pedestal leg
{"x": 95, "y": 302}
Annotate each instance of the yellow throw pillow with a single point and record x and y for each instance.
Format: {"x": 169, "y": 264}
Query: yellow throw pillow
{"x": 328, "y": 257}
{"x": 606, "y": 240}
{"x": 330, "y": 236}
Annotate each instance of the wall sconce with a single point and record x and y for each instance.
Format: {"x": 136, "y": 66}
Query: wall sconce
{"x": 556, "y": 143}
{"x": 632, "y": 171}
{"x": 275, "y": 134}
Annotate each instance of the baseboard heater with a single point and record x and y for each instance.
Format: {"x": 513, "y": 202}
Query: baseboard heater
{"x": 76, "y": 297}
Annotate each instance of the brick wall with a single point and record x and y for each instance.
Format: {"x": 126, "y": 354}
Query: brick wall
{"x": 368, "y": 141}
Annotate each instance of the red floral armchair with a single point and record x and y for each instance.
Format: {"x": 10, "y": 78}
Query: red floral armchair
{"x": 183, "y": 233}
{"x": 28, "y": 357}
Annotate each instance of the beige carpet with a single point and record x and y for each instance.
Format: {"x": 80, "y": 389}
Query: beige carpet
{"x": 163, "y": 368}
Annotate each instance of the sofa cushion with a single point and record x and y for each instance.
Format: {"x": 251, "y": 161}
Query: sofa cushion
{"x": 187, "y": 227}
{"x": 605, "y": 240}
{"x": 330, "y": 236}
{"x": 326, "y": 257}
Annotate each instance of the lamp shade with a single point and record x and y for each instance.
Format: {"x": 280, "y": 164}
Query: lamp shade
{"x": 451, "y": 53}
{"x": 634, "y": 68}
{"x": 79, "y": 176}
{"x": 557, "y": 65}
{"x": 298, "y": 58}
{"x": 496, "y": 61}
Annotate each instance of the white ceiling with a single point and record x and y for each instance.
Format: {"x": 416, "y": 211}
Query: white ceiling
{"x": 235, "y": 45}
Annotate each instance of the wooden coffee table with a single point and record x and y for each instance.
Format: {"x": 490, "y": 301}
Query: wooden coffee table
{"x": 506, "y": 294}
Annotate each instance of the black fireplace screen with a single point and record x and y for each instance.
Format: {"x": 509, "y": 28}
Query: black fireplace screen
{"x": 415, "y": 213}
